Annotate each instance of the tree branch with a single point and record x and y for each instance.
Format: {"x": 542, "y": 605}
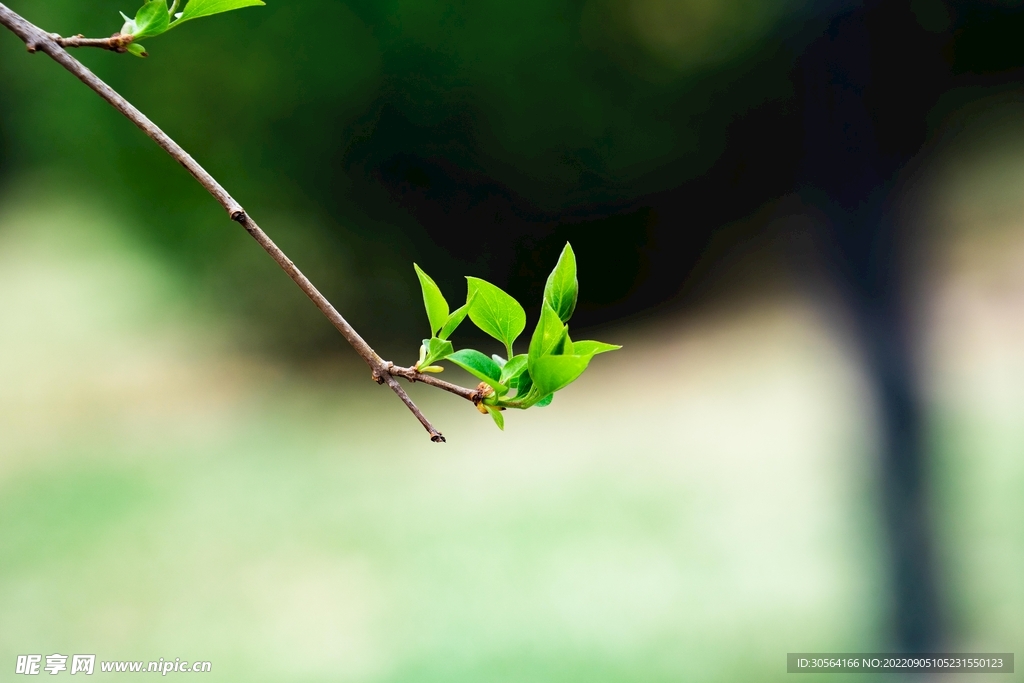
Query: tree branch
{"x": 382, "y": 371}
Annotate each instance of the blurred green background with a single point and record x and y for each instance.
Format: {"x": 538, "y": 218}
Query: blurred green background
{"x": 193, "y": 465}
{"x": 338, "y": 125}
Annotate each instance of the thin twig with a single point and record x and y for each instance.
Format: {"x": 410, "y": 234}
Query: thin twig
{"x": 118, "y": 42}
{"x": 39, "y": 40}
{"x": 413, "y": 375}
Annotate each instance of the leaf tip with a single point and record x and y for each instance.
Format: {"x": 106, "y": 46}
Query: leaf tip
{"x": 496, "y": 415}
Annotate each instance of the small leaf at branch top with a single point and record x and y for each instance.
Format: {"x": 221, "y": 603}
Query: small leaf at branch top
{"x": 433, "y": 300}
{"x": 151, "y": 20}
{"x": 436, "y": 349}
{"x": 545, "y": 402}
{"x": 137, "y": 50}
{"x": 480, "y": 366}
{"x": 551, "y": 373}
{"x": 454, "y": 320}
{"x": 495, "y": 312}
{"x": 562, "y": 289}
{"x": 204, "y": 8}
{"x": 592, "y": 348}
{"x": 128, "y": 28}
{"x": 549, "y": 332}
{"x": 499, "y": 419}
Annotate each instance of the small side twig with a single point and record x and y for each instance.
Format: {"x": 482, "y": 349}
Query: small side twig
{"x": 414, "y": 375}
{"x": 118, "y": 42}
{"x": 383, "y": 372}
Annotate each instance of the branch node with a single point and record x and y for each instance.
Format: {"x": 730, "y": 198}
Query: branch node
{"x": 238, "y": 215}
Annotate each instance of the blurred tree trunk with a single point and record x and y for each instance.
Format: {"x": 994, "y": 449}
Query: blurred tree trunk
{"x": 867, "y": 85}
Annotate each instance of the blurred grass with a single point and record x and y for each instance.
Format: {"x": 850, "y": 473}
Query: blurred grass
{"x": 165, "y": 492}
{"x": 974, "y": 317}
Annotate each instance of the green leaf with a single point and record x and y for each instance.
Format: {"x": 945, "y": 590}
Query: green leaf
{"x": 522, "y": 383}
{"x": 562, "y": 289}
{"x": 513, "y": 368}
{"x": 137, "y": 50}
{"x": 151, "y": 19}
{"x": 549, "y": 332}
{"x": 433, "y": 300}
{"x": 562, "y": 347}
{"x": 454, "y": 320}
{"x": 480, "y": 366}
{"x": 495, "y": 312}
{"x": 592, "y": 348}
{"x": 551, "y": 373}
{"x": 545, "y": 402}
{"x": 498, "y": 359}
{"x": 499, "y": 419}
{"x": 128, "y": 28}
{"x": 436, "y": 349}
{"x": 204, "y": 8}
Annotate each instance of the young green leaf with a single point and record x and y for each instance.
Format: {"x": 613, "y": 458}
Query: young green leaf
{"x": 522, "y": 383}
{"x": 495, "y": 312}
{"x": 562, "y": 289}
{"x": 499, "y": 419}
{"x": 545, "y": 402}
{"x": 128, "y": 28}
{"x": 137, "y": 50}
{"x": 151, "y": 20}
{"x": 549, "y": 332}
{"x": 513, "y": 368}
{"x": 592, "y": 348}
{"x": 454, "y": 320}
{"x": 433, "y": 300}
{"x": 562, "y": 347}
{"x": 436, "y": 349}
{"x": 480, "y": 366}
{"x": 498, "y": 359}
{"x": 551, "y": 373}
{"x": 204, "y": 8}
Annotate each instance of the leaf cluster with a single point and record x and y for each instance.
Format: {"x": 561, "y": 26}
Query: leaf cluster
{"x": 552, "y": 361}
{"x": 155, "y": 17}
